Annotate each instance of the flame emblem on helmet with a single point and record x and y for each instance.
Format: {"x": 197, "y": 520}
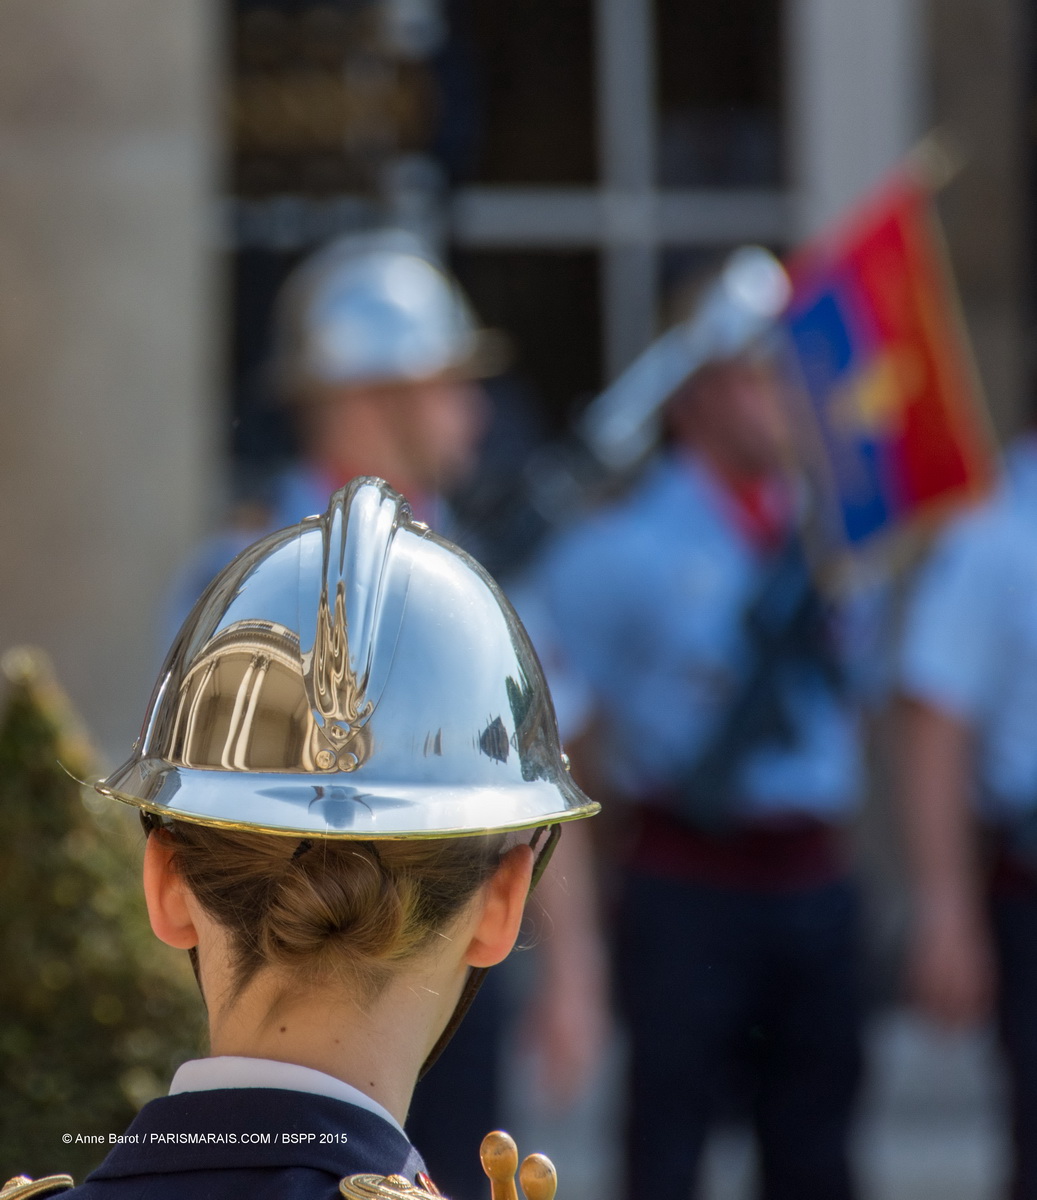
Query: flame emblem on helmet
{"x": 339, "y": 664}
{"x": 335, "y": 693}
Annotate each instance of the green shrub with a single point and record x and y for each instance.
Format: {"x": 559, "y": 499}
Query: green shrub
{"x": 95, "y": 1013}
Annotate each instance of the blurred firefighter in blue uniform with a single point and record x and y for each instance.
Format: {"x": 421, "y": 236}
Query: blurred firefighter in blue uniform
{"x": 723, "y": 719}
{"x": 379, "y": 355}
{"x": 343, "y": 840}
{"x": 968, "y": 672}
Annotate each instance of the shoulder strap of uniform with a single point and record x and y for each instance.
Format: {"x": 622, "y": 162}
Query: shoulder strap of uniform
{"x": 21, "y": 1187}
{"x": 383, "y": 1187}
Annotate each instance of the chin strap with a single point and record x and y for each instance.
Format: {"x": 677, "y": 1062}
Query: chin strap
{"x": 476, "y": 975}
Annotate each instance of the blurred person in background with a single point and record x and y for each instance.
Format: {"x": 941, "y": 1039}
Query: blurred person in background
{"x": 968, "y": 733}
{"x": 722, "y": 719}
{"x": 380, "y": 356}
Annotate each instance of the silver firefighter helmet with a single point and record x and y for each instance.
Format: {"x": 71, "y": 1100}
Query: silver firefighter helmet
{"x": 352, "y": 676}
{"x": 376, "y": 308}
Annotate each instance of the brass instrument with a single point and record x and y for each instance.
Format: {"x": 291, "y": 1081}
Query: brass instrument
{"x": 499, "y": 1156}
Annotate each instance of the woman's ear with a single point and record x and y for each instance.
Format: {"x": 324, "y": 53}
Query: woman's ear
{"x": 503, "y": 903}
{"x": 166, "y": 895}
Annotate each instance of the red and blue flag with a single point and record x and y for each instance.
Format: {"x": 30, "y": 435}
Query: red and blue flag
{"x": 879, "y": 345}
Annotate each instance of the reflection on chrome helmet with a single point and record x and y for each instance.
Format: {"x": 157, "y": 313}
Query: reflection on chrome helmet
{"x": 375, "y": 308}
{"x": 352, "y": 676}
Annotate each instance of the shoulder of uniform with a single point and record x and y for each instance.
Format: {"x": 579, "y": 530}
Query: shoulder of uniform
{"x": 386, "y": 1187}
{"x": 21, "y": 1187}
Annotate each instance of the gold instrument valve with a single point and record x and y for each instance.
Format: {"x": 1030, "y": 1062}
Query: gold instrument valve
{"x": 499, "y": 1156}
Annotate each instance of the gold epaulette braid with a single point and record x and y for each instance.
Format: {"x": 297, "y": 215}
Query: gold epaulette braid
{"x": 21, "y": 1187}
{"x": 382, "y": 1187}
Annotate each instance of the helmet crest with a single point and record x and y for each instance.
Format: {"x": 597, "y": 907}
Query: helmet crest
{"x": 354, "y": 609}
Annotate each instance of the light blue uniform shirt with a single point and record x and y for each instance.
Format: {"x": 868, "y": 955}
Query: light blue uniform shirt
{"x": 970, "y": 637}
{"x": 648, "y": 602}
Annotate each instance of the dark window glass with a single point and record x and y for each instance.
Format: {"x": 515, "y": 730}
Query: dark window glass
{"x": 531, "y": 82}
{"x": 261, "y": 436}
{"x": 548, "y": 305}
{"x": 719, "y": 93}
{"x": 317, "y": 101}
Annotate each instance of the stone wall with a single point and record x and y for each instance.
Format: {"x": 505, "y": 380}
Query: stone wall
{"x": 107, "y": 109}
{"x": 976, "y": 70}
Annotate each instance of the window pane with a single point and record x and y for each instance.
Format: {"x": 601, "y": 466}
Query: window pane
{"x": 719, "y": 93}
{"x": 530, "y": 102}
{"x": 548, "y": 305}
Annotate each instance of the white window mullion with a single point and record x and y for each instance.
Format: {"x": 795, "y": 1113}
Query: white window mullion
{"x": 625, "y": 100}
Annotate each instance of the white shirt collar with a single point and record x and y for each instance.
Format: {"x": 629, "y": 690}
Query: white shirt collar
{"x": 232, "y": 1071}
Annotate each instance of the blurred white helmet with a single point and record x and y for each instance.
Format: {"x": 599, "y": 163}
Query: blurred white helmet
{"x": 375, "y": 308}
{"x": 738, "y": 309}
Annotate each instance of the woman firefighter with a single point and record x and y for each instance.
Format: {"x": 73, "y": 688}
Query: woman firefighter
{"x": 350, "y": 778}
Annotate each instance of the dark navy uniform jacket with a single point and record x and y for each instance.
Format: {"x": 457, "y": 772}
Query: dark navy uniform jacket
{"x": 255, "y": 1143}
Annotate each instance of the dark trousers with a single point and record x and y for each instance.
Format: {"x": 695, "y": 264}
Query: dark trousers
{"x": 745, "y": 996}
{"x": 1015, "y": 932}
